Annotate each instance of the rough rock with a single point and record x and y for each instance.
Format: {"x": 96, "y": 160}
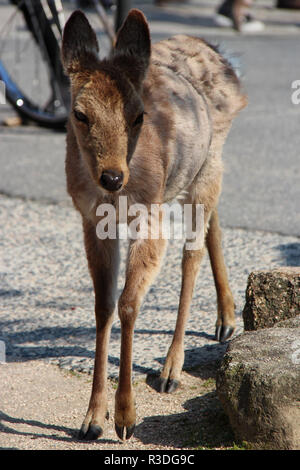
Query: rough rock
{"x": 258, "y": 385}
{"x": 271, "y": 296}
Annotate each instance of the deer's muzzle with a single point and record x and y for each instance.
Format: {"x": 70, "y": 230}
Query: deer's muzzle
{"x": 111, "y": 180}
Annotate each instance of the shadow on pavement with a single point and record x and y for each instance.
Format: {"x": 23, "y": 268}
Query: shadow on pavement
{"x": 203, "y": 424}
{"x": 291, "y": 253}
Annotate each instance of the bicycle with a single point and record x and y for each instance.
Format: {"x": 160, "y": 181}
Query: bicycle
{"x": 35, "y": 83}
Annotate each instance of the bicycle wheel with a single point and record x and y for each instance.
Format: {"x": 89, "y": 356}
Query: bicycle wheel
{"x": 30, "y": 63}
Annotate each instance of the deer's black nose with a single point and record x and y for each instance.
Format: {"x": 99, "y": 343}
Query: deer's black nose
{"x": 111, "y": 180}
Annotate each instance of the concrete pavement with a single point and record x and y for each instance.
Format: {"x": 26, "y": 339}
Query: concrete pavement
{"x": 261, "y": 183}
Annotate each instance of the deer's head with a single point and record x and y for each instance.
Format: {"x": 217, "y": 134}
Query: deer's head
{"x": 107, "y": 108}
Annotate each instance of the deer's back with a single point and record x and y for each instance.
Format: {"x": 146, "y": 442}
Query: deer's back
{"x": 191, "y": 95}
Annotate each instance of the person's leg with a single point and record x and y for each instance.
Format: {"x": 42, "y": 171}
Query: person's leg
{"x": 289, "y": 4}
{"x": 235, "y": 14}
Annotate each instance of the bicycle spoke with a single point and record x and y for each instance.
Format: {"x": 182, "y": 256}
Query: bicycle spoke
{"x": 105, "y": 21}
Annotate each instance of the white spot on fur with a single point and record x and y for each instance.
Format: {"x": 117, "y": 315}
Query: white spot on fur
{"x": 128, "y": 310}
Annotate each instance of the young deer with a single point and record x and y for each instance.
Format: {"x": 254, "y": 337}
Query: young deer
{"x": 150, "y": 126}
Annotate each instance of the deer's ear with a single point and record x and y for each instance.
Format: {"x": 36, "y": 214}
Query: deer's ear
{"x": 79, "y": 44}
{"x": 133, "y": 38}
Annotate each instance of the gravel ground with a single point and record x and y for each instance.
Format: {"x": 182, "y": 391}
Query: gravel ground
{"x": 47, "y": 320}
{"x": 47, "y": 298}
{"x": 43, "y": 407}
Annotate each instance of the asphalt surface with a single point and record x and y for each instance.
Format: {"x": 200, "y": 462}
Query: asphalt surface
{"x": 261, "y": 183}
{"x": 46, "y": 300}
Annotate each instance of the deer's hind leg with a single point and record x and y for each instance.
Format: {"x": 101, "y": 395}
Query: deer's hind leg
{"x": 226, "y": 318}
{"x": 191, "y": 259}
{"x": 170, "y": 375}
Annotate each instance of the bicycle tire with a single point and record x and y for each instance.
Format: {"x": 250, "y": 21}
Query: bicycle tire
{"x": 23, "y": 105}
{"x": 26, "y": 108}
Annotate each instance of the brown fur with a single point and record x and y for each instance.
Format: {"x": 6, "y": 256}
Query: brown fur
{"x": 190, "y": 95}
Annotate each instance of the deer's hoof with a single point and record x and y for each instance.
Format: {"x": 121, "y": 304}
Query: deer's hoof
{"x": 167, "y": 385}
{"x": 223, "y": 333}
{"x": 91, "y": 434}
{"x": 123, "y": 432}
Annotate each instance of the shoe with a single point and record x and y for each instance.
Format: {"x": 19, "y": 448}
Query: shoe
{"x": 247, "y": 25}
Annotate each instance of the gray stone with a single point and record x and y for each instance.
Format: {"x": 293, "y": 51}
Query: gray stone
{"x": 290, "y": 323}
{"x": 258, "y": 385}
{"x": 271, "y": 296}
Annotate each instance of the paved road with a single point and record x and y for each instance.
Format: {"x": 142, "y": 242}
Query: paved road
{"x": 261, "y": 184}
{"x": 45, "y": 291}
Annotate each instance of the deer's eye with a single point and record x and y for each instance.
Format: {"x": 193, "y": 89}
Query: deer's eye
{"x": 80, "y": 116}
{"x": 139, "y": 120}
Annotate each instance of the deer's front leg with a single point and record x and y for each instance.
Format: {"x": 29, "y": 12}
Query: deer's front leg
{"x": 143, "y": 264}
{"x": 103, "y": 261}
